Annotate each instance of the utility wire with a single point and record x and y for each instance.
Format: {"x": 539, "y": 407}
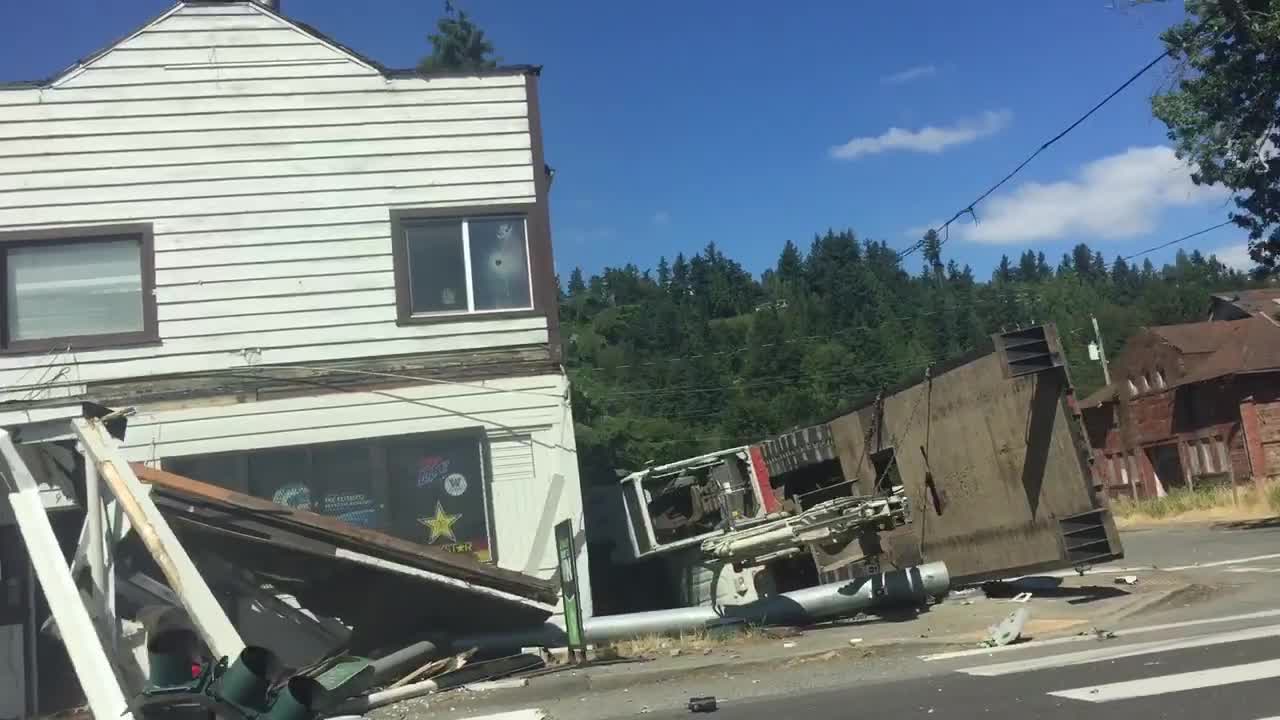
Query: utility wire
{"x": 968, "y": 209}
{"x": 1162, "y": 246}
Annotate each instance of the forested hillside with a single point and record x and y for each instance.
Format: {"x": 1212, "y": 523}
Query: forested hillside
{"x": 697, "y": 354}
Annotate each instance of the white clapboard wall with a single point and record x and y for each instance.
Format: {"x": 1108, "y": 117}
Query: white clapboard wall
{"x": 267, "y": 161}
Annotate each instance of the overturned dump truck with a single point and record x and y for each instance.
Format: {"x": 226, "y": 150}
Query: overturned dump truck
{"x": 982, "y": 464}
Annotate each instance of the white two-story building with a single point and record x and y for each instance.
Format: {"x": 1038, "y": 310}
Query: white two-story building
{"x": 316, "y": 279}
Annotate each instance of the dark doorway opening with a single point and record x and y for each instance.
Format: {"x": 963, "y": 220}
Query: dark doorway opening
{"x": 1168, "y": 466}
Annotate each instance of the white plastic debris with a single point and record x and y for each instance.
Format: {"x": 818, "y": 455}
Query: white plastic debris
{"x": 1009, "y": 629}
{"x": 1127, "y": 580}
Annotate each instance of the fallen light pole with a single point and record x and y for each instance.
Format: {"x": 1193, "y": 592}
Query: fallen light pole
{"x": 799, "y": 607}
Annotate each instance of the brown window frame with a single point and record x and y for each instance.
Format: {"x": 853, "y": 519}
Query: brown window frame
{"x": 537, "y": 242}
{"x": 150, "y": 333}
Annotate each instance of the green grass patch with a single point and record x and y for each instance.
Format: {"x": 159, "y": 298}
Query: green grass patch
{"x": 1182, "y": 501}
{"x": 1176, "y": 502}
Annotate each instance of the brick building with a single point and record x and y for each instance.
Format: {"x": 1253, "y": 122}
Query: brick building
{"x": 1188, "y": 405}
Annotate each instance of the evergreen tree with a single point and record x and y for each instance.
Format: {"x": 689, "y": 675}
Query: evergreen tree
{"x": 458, "y": 44}
{"x": 576, "y": 285}
{"x": 700, "y": 355}
{"x": 1043, "y": 271}
{"x": 1004, "y": 271}
{"x": 1028, "y": 270}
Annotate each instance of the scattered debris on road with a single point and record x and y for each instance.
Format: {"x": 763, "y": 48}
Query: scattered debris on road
{"x": 703, "y": 704}
{"x": 1008, "y": 630}
{"x": 1127, "y": 580}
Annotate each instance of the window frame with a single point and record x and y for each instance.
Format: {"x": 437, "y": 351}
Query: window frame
{"x": 143, "y": 232}
{"x": 535, "y": 248}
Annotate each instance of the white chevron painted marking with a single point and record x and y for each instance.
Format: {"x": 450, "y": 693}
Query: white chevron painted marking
{"x": 1090, "y": 638}
{"x": 1178, "y": 682}
{"x": 1116, "y": 652}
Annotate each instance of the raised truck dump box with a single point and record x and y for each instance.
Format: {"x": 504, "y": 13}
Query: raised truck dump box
{"x": 990, "y": 451}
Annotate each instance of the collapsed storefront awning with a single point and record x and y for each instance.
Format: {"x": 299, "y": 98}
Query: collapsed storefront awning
{"x": 383, "y": 586}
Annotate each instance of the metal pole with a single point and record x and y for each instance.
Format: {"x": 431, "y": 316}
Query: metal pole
{"x": 799, "y": 607}
{"x": 1102, "y": 351}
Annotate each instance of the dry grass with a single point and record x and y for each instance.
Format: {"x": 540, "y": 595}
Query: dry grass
{"x": 692, "y": 642}
{"x": 1210, "y": 503}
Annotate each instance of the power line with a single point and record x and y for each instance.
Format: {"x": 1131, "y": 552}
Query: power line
{"x": 968, "y": 209}
{"x": 1162, "y": 246}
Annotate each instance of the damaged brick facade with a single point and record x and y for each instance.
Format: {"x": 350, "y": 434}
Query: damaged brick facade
{"x": 1189, "y": 405}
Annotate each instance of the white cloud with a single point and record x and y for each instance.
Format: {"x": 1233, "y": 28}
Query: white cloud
{"x": 662, "y": 217}
{"x": 928, "y": 139}
{"x": 1235, "y": 256}
{"x": 1118, "y": 196}
{"x": 912, "y": 73}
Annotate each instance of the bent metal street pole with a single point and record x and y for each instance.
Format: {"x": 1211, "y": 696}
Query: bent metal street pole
{"x": 569, "y": 591}
{"x": 912, "y": 585}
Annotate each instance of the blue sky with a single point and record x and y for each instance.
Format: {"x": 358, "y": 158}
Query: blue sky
{"x": 671, "y": 124}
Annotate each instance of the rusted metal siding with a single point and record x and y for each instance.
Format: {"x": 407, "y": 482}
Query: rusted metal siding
{"x": 991, "y": 464}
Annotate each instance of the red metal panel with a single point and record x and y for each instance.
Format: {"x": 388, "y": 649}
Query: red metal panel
{"x": 761, "y": 474}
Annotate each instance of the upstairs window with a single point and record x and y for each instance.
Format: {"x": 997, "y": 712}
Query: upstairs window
{"x": 80, "y": 288}
{"x": 475, "y": 264}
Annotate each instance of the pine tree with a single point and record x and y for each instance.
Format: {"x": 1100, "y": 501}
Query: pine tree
{"x": 1004, "y": 271}
{"x": 664, "y": 272}
{"x": 1028, "y": 271}
{"x": 576, "y": 285}
{"x": 1043, "y": 271}
{"x": 458, "y": 45}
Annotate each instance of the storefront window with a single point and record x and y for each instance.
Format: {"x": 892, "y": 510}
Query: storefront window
{"x": 430, "y": 488}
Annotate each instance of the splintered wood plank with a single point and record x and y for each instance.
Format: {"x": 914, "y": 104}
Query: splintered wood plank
{"x": 206, "y": 613}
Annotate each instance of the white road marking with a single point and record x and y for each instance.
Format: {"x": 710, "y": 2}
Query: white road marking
{"x": 1111, "y": 570}
{"x": 1179, "y": 682}
{"x": 525, "y": 714}
{"x": 1252, "y": 570}
{"x": 1116, "y": 652}
{"x": 1091, "y": 638}
{"x": 1223, "y": 563}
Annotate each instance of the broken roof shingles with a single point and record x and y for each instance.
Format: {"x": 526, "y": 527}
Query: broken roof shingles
{"x": 1263, "y": 300}
{"x": 1214, "y": 349}
{"x": 302, "y": 27}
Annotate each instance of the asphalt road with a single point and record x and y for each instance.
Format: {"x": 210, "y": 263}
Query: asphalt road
{"x": 1177, "y": 546}
{"x": 1064, "y": 682}
{"x": 1216, "y": 657}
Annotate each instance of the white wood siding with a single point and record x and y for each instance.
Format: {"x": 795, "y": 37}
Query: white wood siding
{"x": 267, "y": 162}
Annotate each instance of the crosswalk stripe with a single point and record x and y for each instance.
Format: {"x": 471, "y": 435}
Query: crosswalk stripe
{"x": 1178, "y": 682}
{"x": 1223, "y": 563}
{"x": 1090, "y": 638}
{"x": 1116, "y": 652}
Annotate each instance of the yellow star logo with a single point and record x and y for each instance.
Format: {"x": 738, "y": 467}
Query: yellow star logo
{"x": 441, "y": 524}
